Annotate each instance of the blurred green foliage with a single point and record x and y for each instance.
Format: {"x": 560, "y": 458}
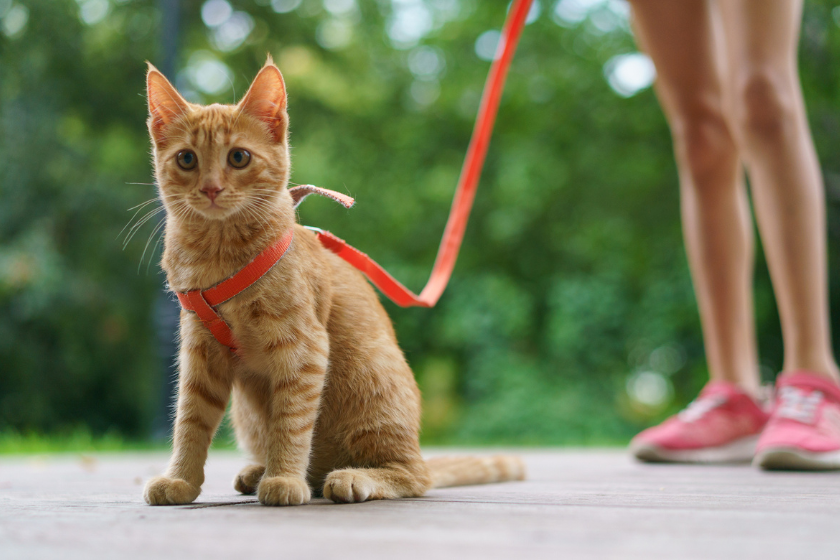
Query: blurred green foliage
{"x": 570, "y": 317}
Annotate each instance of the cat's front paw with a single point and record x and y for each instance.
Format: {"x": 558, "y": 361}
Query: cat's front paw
{"x": 164, "y": 491}
{"x": 348, "y": 486}
{"x": 248, "y": 479}
{"x": 283, "y": 491}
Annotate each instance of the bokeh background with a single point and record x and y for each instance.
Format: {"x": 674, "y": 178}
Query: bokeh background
{"x": 570, "y": 318}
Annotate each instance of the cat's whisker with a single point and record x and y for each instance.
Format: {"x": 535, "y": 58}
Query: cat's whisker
{"x": 249, "y": 215}
{"x": 155, "y": 248}
{"x": 177, "y": 211}
{"x": 236, "y": 120}
{"x": 263, "y": 208}
{"x": 181, "y": 213}
{"x": 141, "y": 206}
{"x": 264, "y": 216}
{"x": 268, "y": 202}
{"x": 138, "y": 223}
{"x": 151, "y": 200}
{"x": 266, "y": 195}
{"x": 136, "y": 227}
{"x": 265, "y": 198}
{"x": 145, "y": 218}
{"x": 154, "y": 231}
{"x": 256, "y": 215}
{"x": 263, "y": 203}
{"x": 268, "y": 198}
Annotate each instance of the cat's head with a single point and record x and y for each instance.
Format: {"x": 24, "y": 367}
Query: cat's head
{"x": 221, "y": 162}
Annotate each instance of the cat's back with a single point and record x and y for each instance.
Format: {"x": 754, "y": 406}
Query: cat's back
{"x": 369, "y": 385}
{"x": 354, "y": 314}
{"x": 363, "y": 344}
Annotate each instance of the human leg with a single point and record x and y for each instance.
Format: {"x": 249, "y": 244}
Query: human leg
{"x": 772, "y": 133}
{"x": 682, "y": 39}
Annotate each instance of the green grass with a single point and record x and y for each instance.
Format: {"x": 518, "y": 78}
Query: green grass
{"x": 77, "y": 441}
{"x": 82, "y": 441}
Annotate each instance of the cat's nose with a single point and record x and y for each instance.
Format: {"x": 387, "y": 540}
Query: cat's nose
{"x": 211, "y": 190}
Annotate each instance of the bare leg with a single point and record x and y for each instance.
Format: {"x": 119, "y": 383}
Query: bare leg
{"x": 773, "y": 135}
{"x": 683, "y": 39}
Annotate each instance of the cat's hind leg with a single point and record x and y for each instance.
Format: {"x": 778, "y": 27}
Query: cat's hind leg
{"x": 247, "y": 424}
{"x": 248, "y": 479}
{"x": 386, "y": 463}
{"x": 347, "y": 486}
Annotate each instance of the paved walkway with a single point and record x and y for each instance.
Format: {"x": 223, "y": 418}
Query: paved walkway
{"x": 575, "y": 504}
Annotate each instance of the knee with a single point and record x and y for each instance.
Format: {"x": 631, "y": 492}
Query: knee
{"x": 764, "y": 103}
{"x": 702, "y": 140}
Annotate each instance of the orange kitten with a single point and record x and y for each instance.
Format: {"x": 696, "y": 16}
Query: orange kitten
{"x": 322, "y": 395}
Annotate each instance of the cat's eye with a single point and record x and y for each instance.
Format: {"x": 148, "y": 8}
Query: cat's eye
{"x": 186, "y": 159}
{"x": 239, "y": 158}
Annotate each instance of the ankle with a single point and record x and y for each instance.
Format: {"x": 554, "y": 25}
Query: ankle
{"x": 756, "y": 392}
{"x": 751, "y": 387}
{"x": 830, "y": 374}
{"x": 829, "y": 371}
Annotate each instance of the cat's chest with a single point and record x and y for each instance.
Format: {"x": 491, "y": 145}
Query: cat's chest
{"x": 276, "y": 313}
{"x": 198, "y": 275}
{"x": 271, "y": 333}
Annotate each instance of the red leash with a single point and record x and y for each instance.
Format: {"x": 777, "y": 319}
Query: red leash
{"x": 202, "y": 302}
{"x": 453, "y": 235}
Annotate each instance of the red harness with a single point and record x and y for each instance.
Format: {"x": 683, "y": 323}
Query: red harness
{"x": 203, "y": 301}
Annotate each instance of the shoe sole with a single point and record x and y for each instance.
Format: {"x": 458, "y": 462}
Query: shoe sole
{"x": 739, "y": 451}
{"x": 792, "y": 459}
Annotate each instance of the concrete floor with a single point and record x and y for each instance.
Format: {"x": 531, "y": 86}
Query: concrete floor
{"x": 575, "y": 504}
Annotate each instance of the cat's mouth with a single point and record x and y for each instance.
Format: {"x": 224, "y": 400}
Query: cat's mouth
{"x": 213, "y": 210}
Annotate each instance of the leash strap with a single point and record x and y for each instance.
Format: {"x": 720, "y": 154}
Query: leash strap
{"x": 202, "y": 302}
{"x": 459, "y": 214}
{"x": 378, "y": 276}
{"x": 453, "y": 235}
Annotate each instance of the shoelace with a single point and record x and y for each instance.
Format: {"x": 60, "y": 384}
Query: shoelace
{"x": 798, "y": 405}
{"x": 701, "y": 406}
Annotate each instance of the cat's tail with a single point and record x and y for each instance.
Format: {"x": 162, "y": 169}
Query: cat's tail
{"x": 463, "y": 471}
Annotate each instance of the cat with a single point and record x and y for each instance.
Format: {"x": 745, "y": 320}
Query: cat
{"x": 322, "y": 396}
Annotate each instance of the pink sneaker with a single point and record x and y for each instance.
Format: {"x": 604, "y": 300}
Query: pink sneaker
{"x": 804, "y": 428}
{"x": 721, "y": 426}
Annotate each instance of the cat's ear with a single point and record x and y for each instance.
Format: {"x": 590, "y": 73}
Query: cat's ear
{"x": 266, "y": 100}
{"x": 165, "y": 104}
